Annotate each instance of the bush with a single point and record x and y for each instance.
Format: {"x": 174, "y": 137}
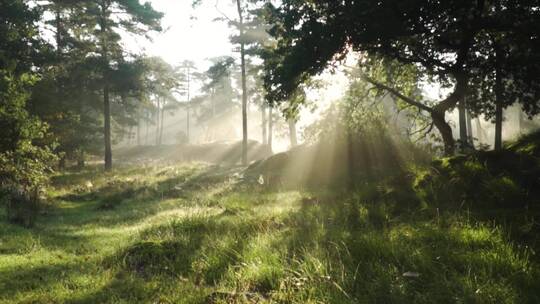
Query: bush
{"x": 24, "y": 164}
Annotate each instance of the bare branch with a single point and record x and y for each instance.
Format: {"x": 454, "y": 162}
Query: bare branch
{"x": 221, "y": 12}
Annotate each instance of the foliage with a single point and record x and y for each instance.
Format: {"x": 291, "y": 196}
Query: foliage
{"x": 443, "y": 41}
{"x": 24, "y": 163}
{"x": 486, "y": 179}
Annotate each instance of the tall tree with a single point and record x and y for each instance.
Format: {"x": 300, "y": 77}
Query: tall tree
{"x": 250, "y": 34}
{"x": 106, "y": 18}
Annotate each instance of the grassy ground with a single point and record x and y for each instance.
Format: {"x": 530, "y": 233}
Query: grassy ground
{"x": 198, "y": 234}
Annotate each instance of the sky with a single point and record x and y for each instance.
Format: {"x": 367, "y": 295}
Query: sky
{"x": 189, "y": 33}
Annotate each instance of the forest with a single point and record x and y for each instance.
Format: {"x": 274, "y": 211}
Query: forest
{"x": 269, "y": 151}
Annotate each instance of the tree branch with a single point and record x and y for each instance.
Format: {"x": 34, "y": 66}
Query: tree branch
{"x": 397, "y": 94}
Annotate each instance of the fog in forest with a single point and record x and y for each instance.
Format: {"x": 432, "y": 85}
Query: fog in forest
{"x": 269, "y": 151}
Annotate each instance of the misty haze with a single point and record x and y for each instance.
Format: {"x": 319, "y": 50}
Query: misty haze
{"x": 261, "y": 151}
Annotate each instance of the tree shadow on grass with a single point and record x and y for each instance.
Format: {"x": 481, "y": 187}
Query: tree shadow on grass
{"x": 377, "y": 257}
{"x": 18, "y": 281}
{"x": 196, "y": 251}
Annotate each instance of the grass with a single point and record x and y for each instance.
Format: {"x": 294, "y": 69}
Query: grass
{"x": 198, "y": 234}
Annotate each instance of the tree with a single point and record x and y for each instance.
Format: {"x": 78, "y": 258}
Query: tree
{"x": 104, "y": 20}
{"x": 438, "y": 39}
{"x": 219, "y": 97}
{"x": 512, "y": 65}
{"x": 249, "y": 35}
{"x": 24, "y": 159}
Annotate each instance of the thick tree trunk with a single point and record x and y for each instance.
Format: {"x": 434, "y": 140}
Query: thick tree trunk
{"x": 292, "y": 133}
{"x": 107, "y": 127}
{"x": 464, "y": 142}
{"x": 244, "y": 86}
{"x": 264, "y": 125}
{"x": 446, "y": 132}
{"x": 438, "y": 111}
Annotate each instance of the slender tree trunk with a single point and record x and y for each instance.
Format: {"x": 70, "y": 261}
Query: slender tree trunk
{"x": 188, "y": 123}
{"x": 498, "y": 125}
{"x": 270, "y": 127}
{"x": 106, "y": 100}
{"x": 157, "y": 121}
{"x": 147, "y": 125}
{"x": 292, "y": 133}
{"x": 469, "y": 129}
{"x": 107, "y": 128}
{"x": 59, "y": 55}
{"x": 462, "y": 125}
{"x": 264, "y": 124}
{"x": 498, "y": 101}
{"x": 81, "y": 162}
{"x": 521, "y": 122}
{"x": 244, "y": 86}
{"x": 161, "y": 128}
{"x": 139, "y": 130}
{"x": 470, "y": 136}
{"x": 213, "y": 104}
{"x": 479, "y": 131}
{"x": 62, "y": 162}
{"x": 130, "y": 132}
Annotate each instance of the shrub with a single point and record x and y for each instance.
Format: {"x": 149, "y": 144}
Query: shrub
{"x": 24, "y": 164}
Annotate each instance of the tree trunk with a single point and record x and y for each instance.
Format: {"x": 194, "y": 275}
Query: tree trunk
{"x": 264, "y": 125}
{"x": 463, "y": 125}
{"x": 188, "y": 105}
{"x": 244, "y": 86}
{"x": 292, "y": 133}
{"x": 498, "y": 124}
{"x": 270, "y": 127}
{"x": 138, "y": 130}
{"x": 130, "y": 132}
{"x": 446, "y": 132}
{"x": 187, "y": 125}
{"x": 147, "y": 127}
{"x": 107, "y": 127}
{"x": 498, "y": 101}
{"x": 62, "y": 163}
{"x": 106, "y": 101}
{"x": 81, "y": 161}
{"x": 157, "y": 121}
{"x": 470, "y": 136}
{"x": 161, "y": 128}
{"x": 479, "y": 131}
